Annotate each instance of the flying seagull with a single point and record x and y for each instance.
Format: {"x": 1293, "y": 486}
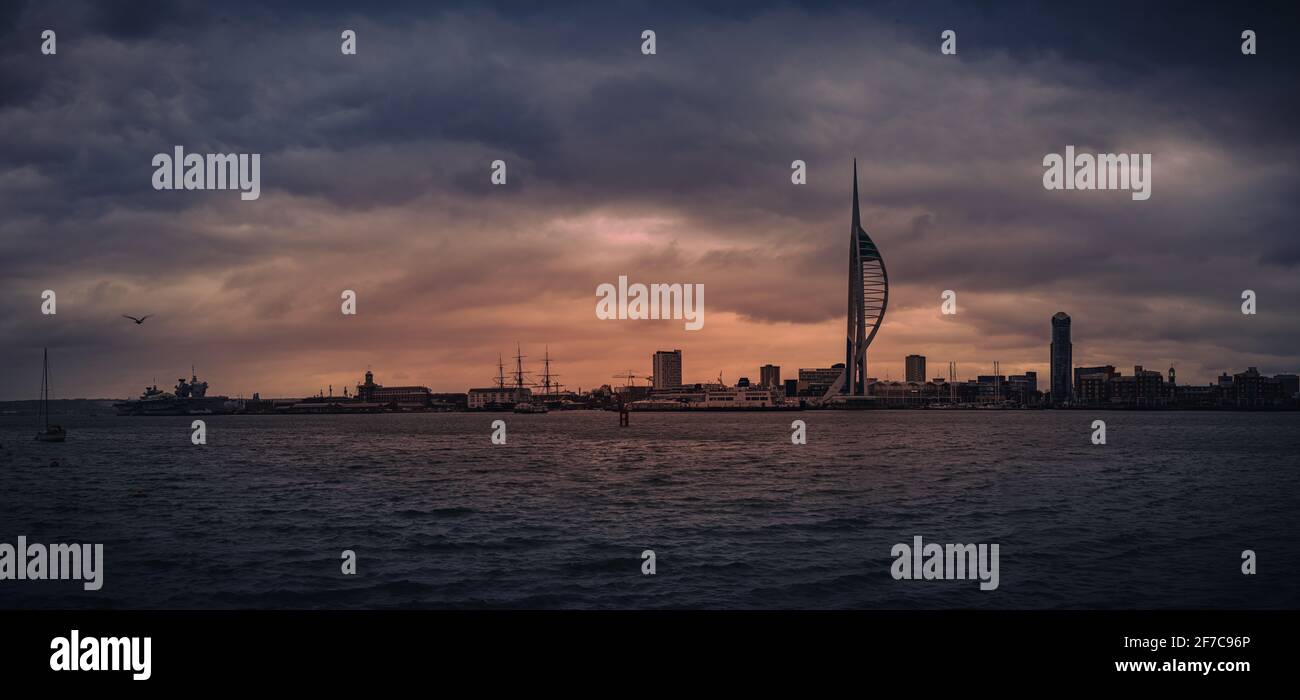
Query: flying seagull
{"x": 138, "y": 321}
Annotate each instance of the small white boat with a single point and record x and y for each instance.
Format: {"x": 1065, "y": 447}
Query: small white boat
{"x": 49, "y": 433}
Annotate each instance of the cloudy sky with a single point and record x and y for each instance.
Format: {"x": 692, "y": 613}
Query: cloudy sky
{"x": 666, "y": 168}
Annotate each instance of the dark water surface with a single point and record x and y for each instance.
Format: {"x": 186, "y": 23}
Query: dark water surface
{"x": 738, "y": 517}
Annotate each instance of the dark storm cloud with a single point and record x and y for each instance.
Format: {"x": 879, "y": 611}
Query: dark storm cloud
{"x": 375, "y": 166}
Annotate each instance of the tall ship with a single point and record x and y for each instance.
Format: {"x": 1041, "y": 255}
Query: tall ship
{"x": 188, "y": 398}
{"x": 522, "y": 395}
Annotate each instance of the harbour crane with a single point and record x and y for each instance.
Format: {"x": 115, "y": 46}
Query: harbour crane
{"x": 630, "y": 377}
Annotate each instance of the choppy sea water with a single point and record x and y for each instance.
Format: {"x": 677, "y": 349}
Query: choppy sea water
{"x": 738, "y": 516}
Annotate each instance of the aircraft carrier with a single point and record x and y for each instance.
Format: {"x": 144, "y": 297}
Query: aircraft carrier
{"x": 189, "y": 398}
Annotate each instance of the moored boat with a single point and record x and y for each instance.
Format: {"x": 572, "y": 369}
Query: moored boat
{"x": 48, "y": 433}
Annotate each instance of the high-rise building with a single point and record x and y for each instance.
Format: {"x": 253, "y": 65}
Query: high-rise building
{"x": 1062, "y": 359}
{"x": 868, "y": 297}
{"x": 769, "y": 376}
{"x": 668, "y": 369}
{"x": 916, "y": 368}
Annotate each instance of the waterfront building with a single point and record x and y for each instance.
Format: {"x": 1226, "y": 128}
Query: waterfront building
{"x": 1018, "y": 389}
{"x": 1102, "y": 386}
{"x": 1289, "y": 384}
{"x": 968, "y": 392}
{"x": 1250, "y": 389}
{"x": 1025, "y": 384}
{"x": 816, "y": 382}
{"x": 1079, "y": 372}
{"x": 1062, "y": 359}
{"x": 1205, "y": 396}
{"x": 1150, "y": 389}
{"x": 667, "y": 369}
{"x": 769, "y": 376}
{"x": 497, "y": 397}
{"x": 991, "y": 387}
{"x": 915, "y": 368}
{"x": 370, "y": 392}
{"x": 1093, "y": 389}
{"x": 901, "y": 394}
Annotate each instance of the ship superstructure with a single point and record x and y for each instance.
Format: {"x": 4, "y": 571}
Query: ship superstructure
{"x": 188, "y": 398}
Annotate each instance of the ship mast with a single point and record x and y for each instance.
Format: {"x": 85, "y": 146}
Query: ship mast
{"x": 549, "y": 387}
{"x": 519, "y": 373}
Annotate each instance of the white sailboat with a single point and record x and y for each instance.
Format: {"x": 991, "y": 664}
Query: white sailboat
{"x": 48, "y": 433}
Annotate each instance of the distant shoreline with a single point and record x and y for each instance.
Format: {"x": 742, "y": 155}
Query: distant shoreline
{"x": 104, "y": 407}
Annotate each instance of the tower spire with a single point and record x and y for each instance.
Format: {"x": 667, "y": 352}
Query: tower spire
{"x": 868, "y": 296}
{"x": 857, "y": 218}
